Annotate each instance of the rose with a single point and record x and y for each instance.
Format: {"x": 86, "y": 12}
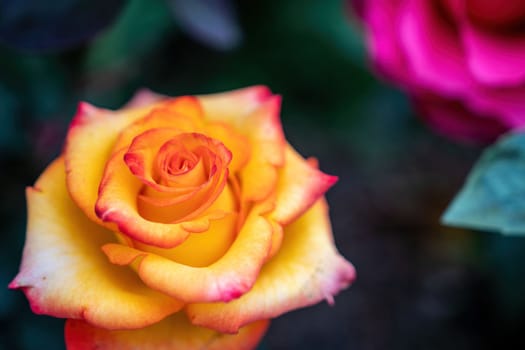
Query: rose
{"x": 178, "y": 223}
{"x": 462, "y": 61}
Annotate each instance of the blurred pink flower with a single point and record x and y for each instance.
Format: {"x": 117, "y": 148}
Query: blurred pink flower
{"x": 462, "y": 61}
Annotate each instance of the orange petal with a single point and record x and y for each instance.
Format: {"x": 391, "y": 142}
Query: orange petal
{"x": 117, "y": 204}
{"x": 299, "y": 186}
{"x": 233, "y": 106}
{"x": 175, "y": 332}
{"x": 64, "y": 273}
{"x": 183, "y": 113}
{"x": 89, "y": 143}
{"x": 169, "y": 197}
{"x": 254, "y": 111}
{"x": 142, "y": 159}
{"x": 226, "y": 279}
{"x": 236, "y": 142}
{"x": 306, "y": 270}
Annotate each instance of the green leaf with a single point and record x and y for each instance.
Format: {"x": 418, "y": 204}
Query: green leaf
{"x": 493, "y": 198}
{"x": 142, "y": 25}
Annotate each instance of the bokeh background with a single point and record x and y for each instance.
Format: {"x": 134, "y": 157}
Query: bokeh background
{"x": 420, "y": 285}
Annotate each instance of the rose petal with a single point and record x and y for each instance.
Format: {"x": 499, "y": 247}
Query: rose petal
{"x": 494, "y": 59}
{"x": 237, "y": 143}
{"x": 142, "y": 158}
{"x": 277, "y": 238}
{"x": 233, "y": 106}
{"x": 433, "y": 49}
{"x": 204, "y": 248}
{"x": 144, "y": 97}
{"x": 299, "y": 186}
{"x": 200, "y": 249}
{"x": 176, "y": 198}
{"x": 455, "y": 10}
{"x": 117, "y": 204}
{"x": 175, "y": 332}
{"x": 383, "y": 38}
{"x": 254, "y": 111}
{"x": 226, "y": 279}
{"x": 64, "y": 273}
{"x": 89, "y": 142}
{"x": 491, "y": 15}
{"x": 306, "y": 270}
{"x": 451, "y": 118}
{"x": 183, "y": 113}
{"x": 263, "y": 127}
{"x": 506, "y": 103}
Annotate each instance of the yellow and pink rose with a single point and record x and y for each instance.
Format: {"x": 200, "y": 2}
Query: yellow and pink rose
{"x": 179, "y": 223}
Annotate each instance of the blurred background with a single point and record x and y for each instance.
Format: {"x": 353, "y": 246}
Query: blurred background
{"x": 420, "y": 285}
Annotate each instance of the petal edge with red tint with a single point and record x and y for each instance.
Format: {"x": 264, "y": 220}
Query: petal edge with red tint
{"x": 89, "y": 143}
{"x": 264, "y": 130}
{"x": 306, "y": 270}
{"x": 174, "y": 332}
{"x": 65, "y": 274}
{"x": 226, "y": 279}
{"x": 300, "y": 185}
{"x": 233, "y": 106}
{"x": 117, "y": 204}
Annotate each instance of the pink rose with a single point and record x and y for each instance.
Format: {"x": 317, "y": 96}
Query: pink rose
{"x": 463, "y": 61}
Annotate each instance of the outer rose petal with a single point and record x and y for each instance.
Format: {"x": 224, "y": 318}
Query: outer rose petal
{"x": 143, "y": 98}
{"x": 264, "y": 129}
{"x": 233, "y": 106}
{"x": 494, "y": 59}
{"x": 226, "y": 279}
{"x": 433, "y": 49}
{"x": 491, "y": 14}
{"x": 299, "y": 186}
{"x": 505, "y": 103}
{"x": 306, "y": 270}
{"x": 174, "y": 332}
{"x": 383, "y": 38}
{"x": 253, "y": 111}
{"x": 453, "y": 119}
{"x": 89, "y": 142}
{"x": 184, "y": 113}
{"x": 64, "y": 273}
